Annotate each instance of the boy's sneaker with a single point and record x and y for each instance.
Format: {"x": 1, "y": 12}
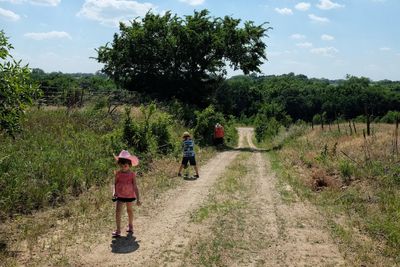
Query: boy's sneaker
{"x": 196, "y": 176}
{"x": 179, "y": 174}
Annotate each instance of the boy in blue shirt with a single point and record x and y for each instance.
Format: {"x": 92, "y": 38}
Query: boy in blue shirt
{"x": 188, "y": 154}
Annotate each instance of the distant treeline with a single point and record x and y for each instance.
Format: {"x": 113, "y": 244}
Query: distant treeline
{"x": 297, "y": 97}
{"x": 302, "y": 98}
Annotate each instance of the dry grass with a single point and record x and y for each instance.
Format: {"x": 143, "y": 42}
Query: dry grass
{"x": 229, "y": 236}
{"x": 355, "y": 179}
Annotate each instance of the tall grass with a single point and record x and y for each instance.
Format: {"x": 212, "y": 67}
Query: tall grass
{"x": 59, "y": 154}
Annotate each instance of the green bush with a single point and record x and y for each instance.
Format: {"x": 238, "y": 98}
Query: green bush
{"x": 160, "y": 129}
{"x": 205, "y": 123}
{"x": 137, "y": 136}
{"x": 17, "y": 90}
{"x": 266, "y": 128}
{"x": 391, "y": 117}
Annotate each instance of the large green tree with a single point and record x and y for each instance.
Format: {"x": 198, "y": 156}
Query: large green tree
{"x": 17, "y": 90}
{"x": 166, "y": 56}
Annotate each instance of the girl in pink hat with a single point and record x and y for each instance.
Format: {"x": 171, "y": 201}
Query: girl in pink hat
{"x": 125, "y": 189}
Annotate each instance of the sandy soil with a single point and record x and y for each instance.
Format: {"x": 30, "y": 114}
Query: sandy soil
{"x": 296, "y": 232}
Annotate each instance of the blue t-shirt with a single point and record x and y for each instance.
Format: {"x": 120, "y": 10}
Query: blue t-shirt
{"x": 188, "y": 148}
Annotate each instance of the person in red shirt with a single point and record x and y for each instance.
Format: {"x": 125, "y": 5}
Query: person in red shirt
{"x": 125, "y": 189}
{"x": 218, "y": 134}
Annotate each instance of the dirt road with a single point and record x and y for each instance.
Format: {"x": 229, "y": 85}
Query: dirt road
{"x": 296, "y": 232}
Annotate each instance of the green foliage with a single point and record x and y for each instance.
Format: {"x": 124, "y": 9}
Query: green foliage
{"x": 137, "y": 136}
{"x": 205, "y": 122}
{"x": 270, "y": 118}
{"x": 391, "y": 117}
{"x": 160, "y": 128}
{"x": 231, "y": 134}
{"x": 56, "y": 156}
{"x": 317, "y": 119}
{"x": 346, "y": 171}
{"x": 166, "y": 57}
{"x": 17, "y": 91}
{"x": 152, "y": 134}
{"x": 266, "y": 128}
{"x": 302, "y": 98}
{"x": 239, "y": 96}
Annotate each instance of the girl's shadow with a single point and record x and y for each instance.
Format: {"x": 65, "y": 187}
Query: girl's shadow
{"x": 124, "y": 244}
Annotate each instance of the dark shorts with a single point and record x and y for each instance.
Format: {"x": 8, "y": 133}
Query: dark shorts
{"x": 122, "y": 199}
{"x": 191, "y": 160}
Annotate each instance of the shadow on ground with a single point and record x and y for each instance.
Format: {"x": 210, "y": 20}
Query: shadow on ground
{"x": 189, "y": 178}
{"x": 124, "y": 244}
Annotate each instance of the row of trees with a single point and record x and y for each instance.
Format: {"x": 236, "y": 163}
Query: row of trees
{"x": 302, "y": 98}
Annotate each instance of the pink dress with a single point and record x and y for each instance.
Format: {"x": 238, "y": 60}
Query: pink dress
{"x": 125, "y": 184}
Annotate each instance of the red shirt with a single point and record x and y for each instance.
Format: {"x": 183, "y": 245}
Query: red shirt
{"x": 125, "y": 184}
{"x": 219, "y": 132}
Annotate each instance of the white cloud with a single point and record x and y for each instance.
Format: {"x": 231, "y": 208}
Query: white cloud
{"x": 302, "y": 6}
{"x": 297, "y": 36}
{"x": 193, "y": 2}
{"x": 304, "y": 45}
{"x": 35, "y": 2}
{"x": 111, "y": 12}
{"x": 325, "y": 51}
{"x": 284, "y": 11}
{"x": 8, "y": 15}
{"x": 12, "y": 1}
{"x": 47, "y": 35}
{"x": 327, "y": 4}
{"x": 326, "y": 37}
{"x": 45, "y": 2}
{"x": 318, "y": 19}
{"x": 385, "y": 48}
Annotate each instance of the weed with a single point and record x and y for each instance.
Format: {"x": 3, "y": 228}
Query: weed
{"x": 346, "y": 170}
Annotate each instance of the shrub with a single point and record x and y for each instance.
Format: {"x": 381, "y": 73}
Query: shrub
{"x": 160, "y": 129}
{"x": 17, "y": 90}
{"x": 205, "y": 122}
{"x": 391, "y": 117}
{"x": 346, "y": 171}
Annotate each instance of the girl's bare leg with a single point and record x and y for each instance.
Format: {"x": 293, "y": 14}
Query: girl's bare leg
{"x": 130, "y": 213}
{"x": 118, "y": 215}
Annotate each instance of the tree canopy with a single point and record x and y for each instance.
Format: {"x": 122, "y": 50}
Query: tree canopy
{"x": 165, "y": 56}
{"x": 17, "y": 90}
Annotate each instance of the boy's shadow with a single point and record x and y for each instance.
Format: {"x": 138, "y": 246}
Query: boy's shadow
{"x": 124, "y": 244}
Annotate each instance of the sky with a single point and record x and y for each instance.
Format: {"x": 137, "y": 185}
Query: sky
{"x": 318, "y": 38}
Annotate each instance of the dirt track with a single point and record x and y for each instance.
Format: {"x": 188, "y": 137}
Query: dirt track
{"x": 296, "y": 232}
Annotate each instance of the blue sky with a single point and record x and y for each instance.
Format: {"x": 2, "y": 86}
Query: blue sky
{"x": 318, "y": 38}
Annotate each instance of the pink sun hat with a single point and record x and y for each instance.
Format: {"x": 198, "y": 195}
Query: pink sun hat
{"x": 124, "y": 154}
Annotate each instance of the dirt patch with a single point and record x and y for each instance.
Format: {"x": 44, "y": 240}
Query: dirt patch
{"x": 296, "y": 231}
{"x": 167, "y": 228}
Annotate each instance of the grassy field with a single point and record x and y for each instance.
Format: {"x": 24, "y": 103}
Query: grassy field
{"x": 57, "y": 176}
{"x": 354, "y": 179}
